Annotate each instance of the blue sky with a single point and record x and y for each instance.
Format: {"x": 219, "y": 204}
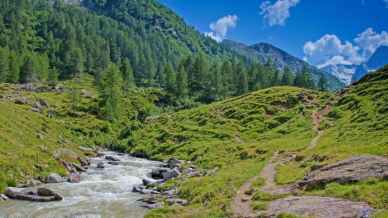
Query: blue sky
{"x": 331, "y": 26}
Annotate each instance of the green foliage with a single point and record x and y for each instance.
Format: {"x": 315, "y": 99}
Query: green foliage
{"x": 110, "y": 89}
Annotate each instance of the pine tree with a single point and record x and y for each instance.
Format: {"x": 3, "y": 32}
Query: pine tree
{"x": 127, "y": 73}
{"x": 287, "y": 77}
{"x": 227, "y": 80}
{"x": 14, "y": 69}
{"x": 4, "y": 65}
{"x": 242, "y": 83}
{"x": 182, "y": 89}
{"x": 28, "y": 73}
{"x": 74, "y": 62}
{"x": 198, "y": 74}
{"x": 304, "y": 79}
{"x": 275, "y": 78}
{"x": 110, "y": 90}
{"x": 170, "y": 79}
{"x": 322, "y": 84}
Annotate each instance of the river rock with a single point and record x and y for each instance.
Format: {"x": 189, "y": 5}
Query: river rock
{"x": 45, "y": 192}
{"x": 84, "y": 161}
{"x": 149, "y": 182}
{"x": 143, "y": 190}
{"x": 318, "y": 207}
{"x": 3, "y": 197}
{"x": 54, "y": 178}
{"x": 139, "y": 155}
{"x": 173, "y": 163}
{"x": 169, "y": 174}
{"x": 114, "y": 163}
{"x": 165, "y": 174}
{"x": 74, "y": 178}
{"x": 40, "y": 195}
{"x": 178, "y": 201}
{"x": 111, "y": 158}
{"x": 149, "y": 199}
{"x": 100, "y": 165}
{"x": 351, "y": 170}
{"x": 153, "y": 206}
{"x": 79, "y": 168}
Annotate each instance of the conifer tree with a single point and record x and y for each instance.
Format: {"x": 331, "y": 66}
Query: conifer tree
{"x": 28, "y": 73}
{"x": 322, "y": 83}
{"x": 4, "y": 65}
{"x": 127, "y": 73}
{"x": 287, "y": 77}
{"x": 182, "y": 89}
{"x": 110, "y": 90}
{"x": 14, "y": 69}
{"x": 170, "y": 78}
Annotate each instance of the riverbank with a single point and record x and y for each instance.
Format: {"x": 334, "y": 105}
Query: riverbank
{"x": 101, "y": 192}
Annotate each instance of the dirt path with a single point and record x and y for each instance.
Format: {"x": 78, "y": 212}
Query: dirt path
{"x": 317, "y": 118}
{"x": 269, "y": 174}
{"x": 241, "y": 205}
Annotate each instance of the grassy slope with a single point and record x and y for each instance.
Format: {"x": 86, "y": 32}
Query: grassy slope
{"x": 32, "y": 143}
{"x": 237, "y": 136}
{"x": 357, "y": 125}
{"x": 233, "y": 139}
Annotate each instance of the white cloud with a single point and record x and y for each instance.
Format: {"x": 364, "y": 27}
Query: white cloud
{"x": 278, "y": 12}
{"x": 330, "y": 50}
{"x": 221, "y": 27}
{"x": 369, "y": 41}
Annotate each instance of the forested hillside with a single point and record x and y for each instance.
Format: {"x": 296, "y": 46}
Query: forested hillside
{"x": 52, "y": 40}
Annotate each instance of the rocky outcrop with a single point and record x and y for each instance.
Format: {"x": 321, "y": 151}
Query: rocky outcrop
{"x": 351, "y": 170}
{"x": 318, "y": 207}
{"x": 39, "y": 195}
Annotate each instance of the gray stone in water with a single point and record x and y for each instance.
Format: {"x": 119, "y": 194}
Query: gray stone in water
{"x": 74, "y": 178}
{"x": 169, "y": 174}
{"x": 148, "y": 182}
{"x": 111, "y": 158}
{"x": 39, "y": 195}
{"x": 55, "y": 178}
{"x": 100, "y": 165}
{"x": 3, "y": 197}
{"x": 173, "y": 163}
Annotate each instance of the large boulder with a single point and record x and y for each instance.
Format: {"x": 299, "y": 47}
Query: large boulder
{"x": 351, "y": 170}
{"x": 164, "y": 173}
{"x": 54, "y": 178}
{"x": 39, "y": 195}
{"x": 318, "y": 207}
